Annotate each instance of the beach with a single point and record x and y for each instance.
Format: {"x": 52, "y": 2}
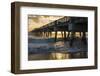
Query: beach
{"x": 44, "y": 48}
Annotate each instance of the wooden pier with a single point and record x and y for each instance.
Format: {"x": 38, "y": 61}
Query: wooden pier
{"x": 63, "y": 25}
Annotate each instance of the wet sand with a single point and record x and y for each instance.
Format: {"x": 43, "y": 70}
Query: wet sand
{"x": 57, "y": 56}
{"x": 47, "y": 49}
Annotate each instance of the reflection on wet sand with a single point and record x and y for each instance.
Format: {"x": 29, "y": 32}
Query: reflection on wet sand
{"x": 57, "y": 56}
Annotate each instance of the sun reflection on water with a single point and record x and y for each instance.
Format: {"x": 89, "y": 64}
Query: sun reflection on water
{"x": 59, "y": 56}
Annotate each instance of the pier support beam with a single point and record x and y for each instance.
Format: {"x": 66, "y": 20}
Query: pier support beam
{"x": 72, "y": 39}
{"x": 55, "y": 36}
{"x": 84, "y": 38}
{"x": 64, "y": 35}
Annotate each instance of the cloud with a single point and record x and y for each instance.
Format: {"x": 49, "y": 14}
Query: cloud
{"x": 36, "y": 21}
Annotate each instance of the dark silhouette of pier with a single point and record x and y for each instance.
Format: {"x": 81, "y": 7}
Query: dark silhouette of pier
{"x": 63, "y": 25}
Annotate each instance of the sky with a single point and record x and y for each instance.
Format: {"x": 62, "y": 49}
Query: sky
{"x": 36, "y": 21}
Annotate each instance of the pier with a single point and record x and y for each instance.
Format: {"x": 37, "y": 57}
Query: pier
{"x": 63, "y": 25}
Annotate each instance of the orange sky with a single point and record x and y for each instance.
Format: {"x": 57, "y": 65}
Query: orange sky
{"x": 36, "y": 21}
